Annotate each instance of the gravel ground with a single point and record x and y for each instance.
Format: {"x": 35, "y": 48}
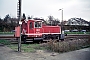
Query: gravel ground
{"x": 8, "y": 54}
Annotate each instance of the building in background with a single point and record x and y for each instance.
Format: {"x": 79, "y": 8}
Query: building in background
{"x": 76, "y": 24}
{"x": 77, "y": 21}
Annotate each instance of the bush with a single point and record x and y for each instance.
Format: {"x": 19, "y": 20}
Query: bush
{"x": 65, "y": 46}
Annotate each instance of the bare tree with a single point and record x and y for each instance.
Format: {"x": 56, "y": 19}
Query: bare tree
{"x": 52, "y": 20}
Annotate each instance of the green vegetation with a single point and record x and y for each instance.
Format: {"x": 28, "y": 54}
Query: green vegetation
{"x": 5, "y": 42}
{"x": 6, "y": 33}
{"x": 27, "y": 47}
{"x": 77, "y": 32}
{"x": 87, "y": 32}
{"x": 24, "y": 47}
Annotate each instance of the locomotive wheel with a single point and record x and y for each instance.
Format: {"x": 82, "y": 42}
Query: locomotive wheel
{"x": 43, "y": 36}
{"x": 23, "y": 38}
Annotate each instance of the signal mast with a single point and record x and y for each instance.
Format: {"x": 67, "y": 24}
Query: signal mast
{"x": 19, "y": 22}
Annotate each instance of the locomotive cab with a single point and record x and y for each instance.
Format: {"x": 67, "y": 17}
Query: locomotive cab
{"x": 34, "y": 29}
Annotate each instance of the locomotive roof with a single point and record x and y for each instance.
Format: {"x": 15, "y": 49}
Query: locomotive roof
{"x": 34, "y": 20}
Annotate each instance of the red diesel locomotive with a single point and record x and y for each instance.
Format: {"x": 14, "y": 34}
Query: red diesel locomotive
{"x": 34, "y": 29}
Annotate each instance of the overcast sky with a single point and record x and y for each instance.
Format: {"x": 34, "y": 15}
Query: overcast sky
{"x": 44, "y": 8}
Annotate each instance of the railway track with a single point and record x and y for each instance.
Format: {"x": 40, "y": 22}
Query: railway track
{"x": 68, "y": 37}
{"x": 7, "y": 36}
{"x": 77, "y": 36}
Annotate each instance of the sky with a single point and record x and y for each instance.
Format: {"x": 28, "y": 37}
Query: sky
{"x": 45, "y": 8}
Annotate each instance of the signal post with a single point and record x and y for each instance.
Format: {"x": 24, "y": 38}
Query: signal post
{"x": 19, "y": 18}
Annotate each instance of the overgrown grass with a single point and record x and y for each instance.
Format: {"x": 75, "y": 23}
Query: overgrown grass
{"x": 5, "y": 42}
{"x": 66, "y": 46}
{"x": 27, "y": 47}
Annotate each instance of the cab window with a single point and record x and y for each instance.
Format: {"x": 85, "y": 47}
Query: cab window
{"x": 31, "y": 25}
{"x": 38, "y": 24}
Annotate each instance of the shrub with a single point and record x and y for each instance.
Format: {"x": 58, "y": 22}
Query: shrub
{"x": 64, "y": 46}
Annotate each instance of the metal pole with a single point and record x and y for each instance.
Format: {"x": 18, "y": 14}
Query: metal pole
{"x": 62, "y": 32}
{"x": 62, "y": 20}
{"x": 19, "y": 40}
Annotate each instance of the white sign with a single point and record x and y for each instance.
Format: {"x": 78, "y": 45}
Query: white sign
{"x": 20, "y": 22}
{"x": 37, "y": 29}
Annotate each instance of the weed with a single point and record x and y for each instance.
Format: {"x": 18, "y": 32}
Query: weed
{"x": 66, "y": 46}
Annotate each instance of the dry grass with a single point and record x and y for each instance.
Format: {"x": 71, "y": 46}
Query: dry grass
{"x": 64, "y": 46}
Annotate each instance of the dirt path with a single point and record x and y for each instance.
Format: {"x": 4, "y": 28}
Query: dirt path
{"x": 8, "y": 54}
